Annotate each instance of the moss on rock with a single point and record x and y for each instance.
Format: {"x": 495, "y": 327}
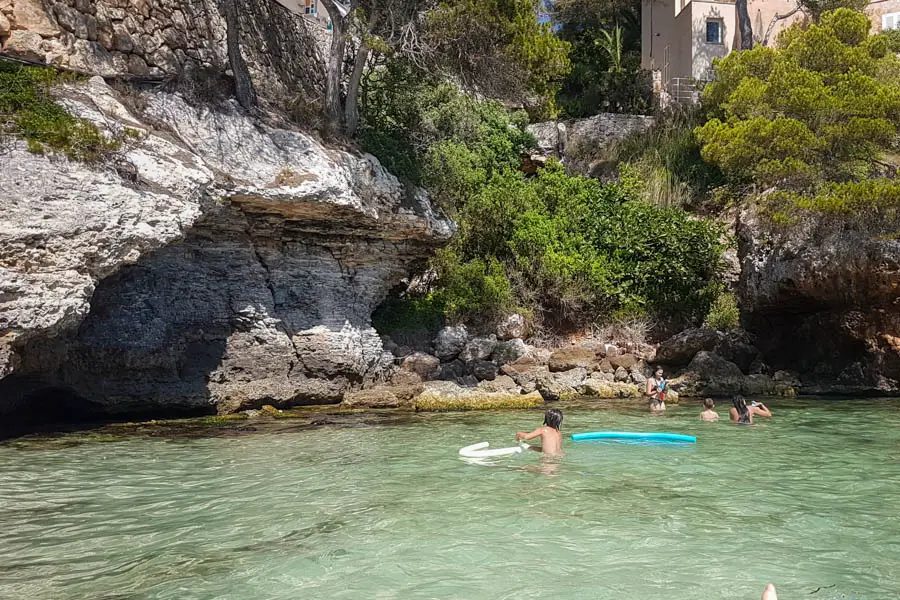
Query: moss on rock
{"x": 28, "y": 111}
{"x": 443, "y": 395}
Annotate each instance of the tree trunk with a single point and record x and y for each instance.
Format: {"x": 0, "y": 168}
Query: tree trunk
{"x": 334, "y": 70}
{"x": 351, "y": 109}
{"x": 775, "y": 21}
{"x": 243, "y": 85}
{"x": 744, "y": 25}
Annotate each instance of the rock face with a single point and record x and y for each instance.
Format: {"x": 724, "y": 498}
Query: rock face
{"x": 577, "y": 142}
{"x": 239, "y": 267}
{"x": 822, "y": 300}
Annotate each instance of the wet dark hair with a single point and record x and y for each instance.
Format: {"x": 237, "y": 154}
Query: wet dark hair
{"x": 741, "y": 405}
{"x": 553, "y": 418}
{"x": 708, "y": 403}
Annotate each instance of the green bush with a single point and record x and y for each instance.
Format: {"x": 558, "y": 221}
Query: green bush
{"x": 430, "y": 133}
{"x": 872, "y": 205}
{"x": 568, "y": 250}
{"x": 576, "y": 251}
{"x": 28, "y": 111}
{"x": 409, "y": 313}
{"x": 724, "y": 313}
{"x": 822, "y": 107}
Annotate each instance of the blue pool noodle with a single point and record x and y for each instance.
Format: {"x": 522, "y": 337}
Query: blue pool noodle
{"x": 631, "y": 435}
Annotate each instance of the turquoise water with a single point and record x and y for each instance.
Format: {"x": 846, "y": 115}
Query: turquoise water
{"x": 808, "y": 500}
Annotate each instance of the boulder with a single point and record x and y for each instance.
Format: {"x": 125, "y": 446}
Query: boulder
{"x": 508, "y": 351}
{"x": 759, "y": 385}
{"x": 452, "y": 371}
{"x": 478, "y": 349}
{"x": 396, "y": 393}
{"x": 31, "y": 15}
{"x": 625, "y": 361}
{"x": 710, "y": 374}
{"x": 484, "y": 370}
{"x": 621, "y": 374}
{"x": 540, "y": 356}
{"x": 25, "y": 45}
{"x": 502, "y": 383}
{"x": 424, "y": 365}
{"x": 787, "y": 383}
{"x": 511, "y": 327}
{"x": 566, "y": 359}
{"x": 561, "y": 385}
{"x": 607, "y": 389}
{"x": 525, "y": 374}
{"x": 638, "y": 378}
{"x": 708, "y": 365}
{"x": 446, "y": 395}
{"x": 450, "y": 341}
{"x": 605, "y": 366}
{"x": 681, "y": 348}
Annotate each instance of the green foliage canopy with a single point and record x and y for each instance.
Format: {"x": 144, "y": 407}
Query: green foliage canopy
{"x": 822, "y": 107}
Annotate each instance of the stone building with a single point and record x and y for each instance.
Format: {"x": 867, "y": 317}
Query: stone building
{"x": 681, "y": 38}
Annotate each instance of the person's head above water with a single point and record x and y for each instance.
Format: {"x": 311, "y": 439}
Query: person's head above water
{"x": 553, "y": 418}
{"x": 739, "y": 403}
{"x": 709, "y": 404}
{"x": 658, "y": 373}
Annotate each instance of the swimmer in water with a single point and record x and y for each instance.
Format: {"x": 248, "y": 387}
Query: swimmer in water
{"x": 657, "y": 386}
{"x": 709, "y": 414}
{"x": 551, "y": 438}
{"x": 742, "y": 413}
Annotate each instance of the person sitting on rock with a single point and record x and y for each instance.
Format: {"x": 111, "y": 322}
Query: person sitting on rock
{"x": 741, "y": 413}
{"x": 551, "y": 438}
{"x": 656, "y": 389}
{"x": 709, "y": 414}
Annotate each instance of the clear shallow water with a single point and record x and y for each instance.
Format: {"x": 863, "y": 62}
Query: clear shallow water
{"x": 808, "y": 499}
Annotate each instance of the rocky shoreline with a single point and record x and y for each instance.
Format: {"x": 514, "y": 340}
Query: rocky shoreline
{"x": 461, "y": 371}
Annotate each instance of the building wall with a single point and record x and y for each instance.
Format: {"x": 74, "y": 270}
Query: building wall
{"x": 877, "y": 9}
{"x": 762, "y": 17}
{"x": 680, "y": 27}
{"x": 702, "y": 52}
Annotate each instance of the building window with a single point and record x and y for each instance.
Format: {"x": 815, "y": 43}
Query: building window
{"x": 890, "y": 21}
{"x": 713, "y": 31}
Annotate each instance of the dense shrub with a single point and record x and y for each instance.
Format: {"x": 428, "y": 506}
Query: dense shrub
{"x": 430, "y": 133}
{"x": 567, "y": 250}
{"x": 573, "y": 251}
{"x": 822, "y": 107}
{"x": 28, "y": 111}
{"x": 724, "y": 313}
{"x": 872, "y": 206}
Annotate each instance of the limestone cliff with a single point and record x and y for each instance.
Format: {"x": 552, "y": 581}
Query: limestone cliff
{"x": 221, "y": 263}
{"x": 823, "y": 299}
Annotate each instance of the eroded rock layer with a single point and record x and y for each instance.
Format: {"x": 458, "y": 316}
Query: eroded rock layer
{"x": 224, "y": 263}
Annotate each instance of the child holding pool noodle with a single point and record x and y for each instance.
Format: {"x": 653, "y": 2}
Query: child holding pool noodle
{"x": 551, "y": 438}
